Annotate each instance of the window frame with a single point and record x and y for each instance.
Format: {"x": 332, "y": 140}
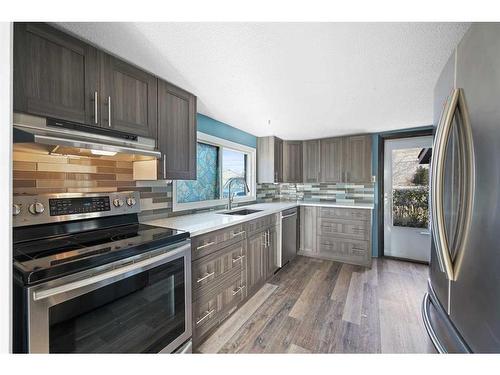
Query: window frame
{"x": 250, "y": 171}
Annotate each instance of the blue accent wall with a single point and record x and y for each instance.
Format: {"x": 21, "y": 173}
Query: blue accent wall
{"x": 378, "y": 205}
{"x": 219, "y": 129}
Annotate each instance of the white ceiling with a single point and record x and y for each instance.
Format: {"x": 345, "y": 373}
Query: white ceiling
{"x": 309, "y": 79}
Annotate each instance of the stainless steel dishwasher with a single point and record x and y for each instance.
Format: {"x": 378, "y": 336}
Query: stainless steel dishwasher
{"x": 288, "y": 235}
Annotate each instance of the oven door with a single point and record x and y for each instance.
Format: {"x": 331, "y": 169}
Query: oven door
{"x": 137, "y": 305}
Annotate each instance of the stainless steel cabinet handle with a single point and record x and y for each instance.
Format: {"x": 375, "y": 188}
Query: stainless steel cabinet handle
{"x": 238, "y": 259}
{"x": 284, "y": 217}
{"x": 235, "y": 292}
{"x": 109, "y": 111}
{"x": 238, "y": 233}
{"x": 205, "y": 277}
{"x": 96, "y": 103}
{"x": 207, "y": 314}
{"x": 164, "y": 165}
{"x": 206, "y": 245}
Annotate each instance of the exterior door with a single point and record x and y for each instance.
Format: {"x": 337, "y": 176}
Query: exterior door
{"x": 406, "y": 199}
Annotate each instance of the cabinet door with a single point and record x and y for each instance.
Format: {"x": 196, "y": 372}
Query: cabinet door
{"x": 308, "y": 225}
{"x": 269, "y": 160}
{"x": 358, "y": 158}
{"x": 272, "y": 252}
{"x": 278, "y": 160}
{"x": 176, "y": 132}
{"x": 292, "y": 161}
{"x": 129, "y": 97}
{"x": 310, "y": 155}
{"x": 55, "y": 75}
{"x": 331, "y": 160}
{"x": 256, "y": 264}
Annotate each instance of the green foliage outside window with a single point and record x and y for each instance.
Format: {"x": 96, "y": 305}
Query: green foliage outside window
{"x": 410, "y": 207}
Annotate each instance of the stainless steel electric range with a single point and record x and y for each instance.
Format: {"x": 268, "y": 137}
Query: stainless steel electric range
{"x": 89, "y": 278}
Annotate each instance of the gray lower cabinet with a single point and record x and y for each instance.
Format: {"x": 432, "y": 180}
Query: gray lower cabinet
{"x": 228, "y": 266}
{"x": 310, "y": 160}
{"x": 257, "y": 268}
{"x": 340, "y": 234}
{"x": 292, "y": 161}
{"x": 308, "y": 225}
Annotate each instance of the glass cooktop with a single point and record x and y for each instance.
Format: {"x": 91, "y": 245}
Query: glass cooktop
{"x": 47, "y": 258}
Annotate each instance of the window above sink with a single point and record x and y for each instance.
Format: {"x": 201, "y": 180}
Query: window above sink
{"x": 217, "y": 161}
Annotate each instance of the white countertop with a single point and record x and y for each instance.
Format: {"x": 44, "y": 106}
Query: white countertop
{"x": 197, "y": 224}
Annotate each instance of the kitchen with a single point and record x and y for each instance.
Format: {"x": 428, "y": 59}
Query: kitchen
{"x": 145, "y": 221}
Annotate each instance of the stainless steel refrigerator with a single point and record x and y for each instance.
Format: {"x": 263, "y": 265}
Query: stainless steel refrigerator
{"x": 461, "y": 311}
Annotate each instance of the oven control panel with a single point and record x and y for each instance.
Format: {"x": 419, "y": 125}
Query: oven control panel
{"x": 49, "y": 208}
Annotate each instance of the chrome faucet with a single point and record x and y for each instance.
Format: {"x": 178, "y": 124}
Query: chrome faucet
{"x": 230, "y": 195}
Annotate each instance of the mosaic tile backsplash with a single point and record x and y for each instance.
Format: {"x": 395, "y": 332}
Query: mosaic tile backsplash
{"x": 39, "y": 174}
{"x": 340, "y": 192}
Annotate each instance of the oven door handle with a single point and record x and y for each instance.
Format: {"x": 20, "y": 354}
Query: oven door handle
{"x": 109, "y": 277}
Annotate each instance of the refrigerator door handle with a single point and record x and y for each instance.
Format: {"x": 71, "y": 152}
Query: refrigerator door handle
{"x": 446, "y": 263}
{"x": 437, "y": 188}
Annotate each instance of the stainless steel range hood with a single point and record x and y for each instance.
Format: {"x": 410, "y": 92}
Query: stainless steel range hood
{"x": 78, "y": 139}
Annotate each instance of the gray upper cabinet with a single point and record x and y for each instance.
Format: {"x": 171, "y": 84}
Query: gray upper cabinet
{"x": 55, "y": 75}
{"x": 292, "y": 161}
{"x": 176, "y": 132}
{"x": 310, "y": 155}
{"x": 331, "y": 153}
{"x": 128, "y": 97}
{"x": 269, "y": 160}
{"x": 357, "y": 158}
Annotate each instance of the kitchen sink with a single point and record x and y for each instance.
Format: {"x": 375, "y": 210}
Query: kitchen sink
{"x": 244, "y": 211}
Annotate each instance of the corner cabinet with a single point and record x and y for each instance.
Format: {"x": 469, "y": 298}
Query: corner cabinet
{"x": 55, "y": 74}
{"x": 128, "y": 97}
{"x": 176, "y": 132}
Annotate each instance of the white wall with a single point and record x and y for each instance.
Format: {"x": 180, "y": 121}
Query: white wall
{"x": 5, "y": 185}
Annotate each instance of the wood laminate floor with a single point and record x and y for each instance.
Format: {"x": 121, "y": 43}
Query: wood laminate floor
{"x": 320, "y": 306}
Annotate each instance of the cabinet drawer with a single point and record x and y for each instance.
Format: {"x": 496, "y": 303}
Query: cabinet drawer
{"x": 211, "y": 309}
{"x": 210, "y": 271}
{"x": 345, "y": 213}
{"x": 262, "y": 223}
{"x": 358, "y": 230}
{"x": 213, "y": 241}
{"x": 345, "y": 250}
